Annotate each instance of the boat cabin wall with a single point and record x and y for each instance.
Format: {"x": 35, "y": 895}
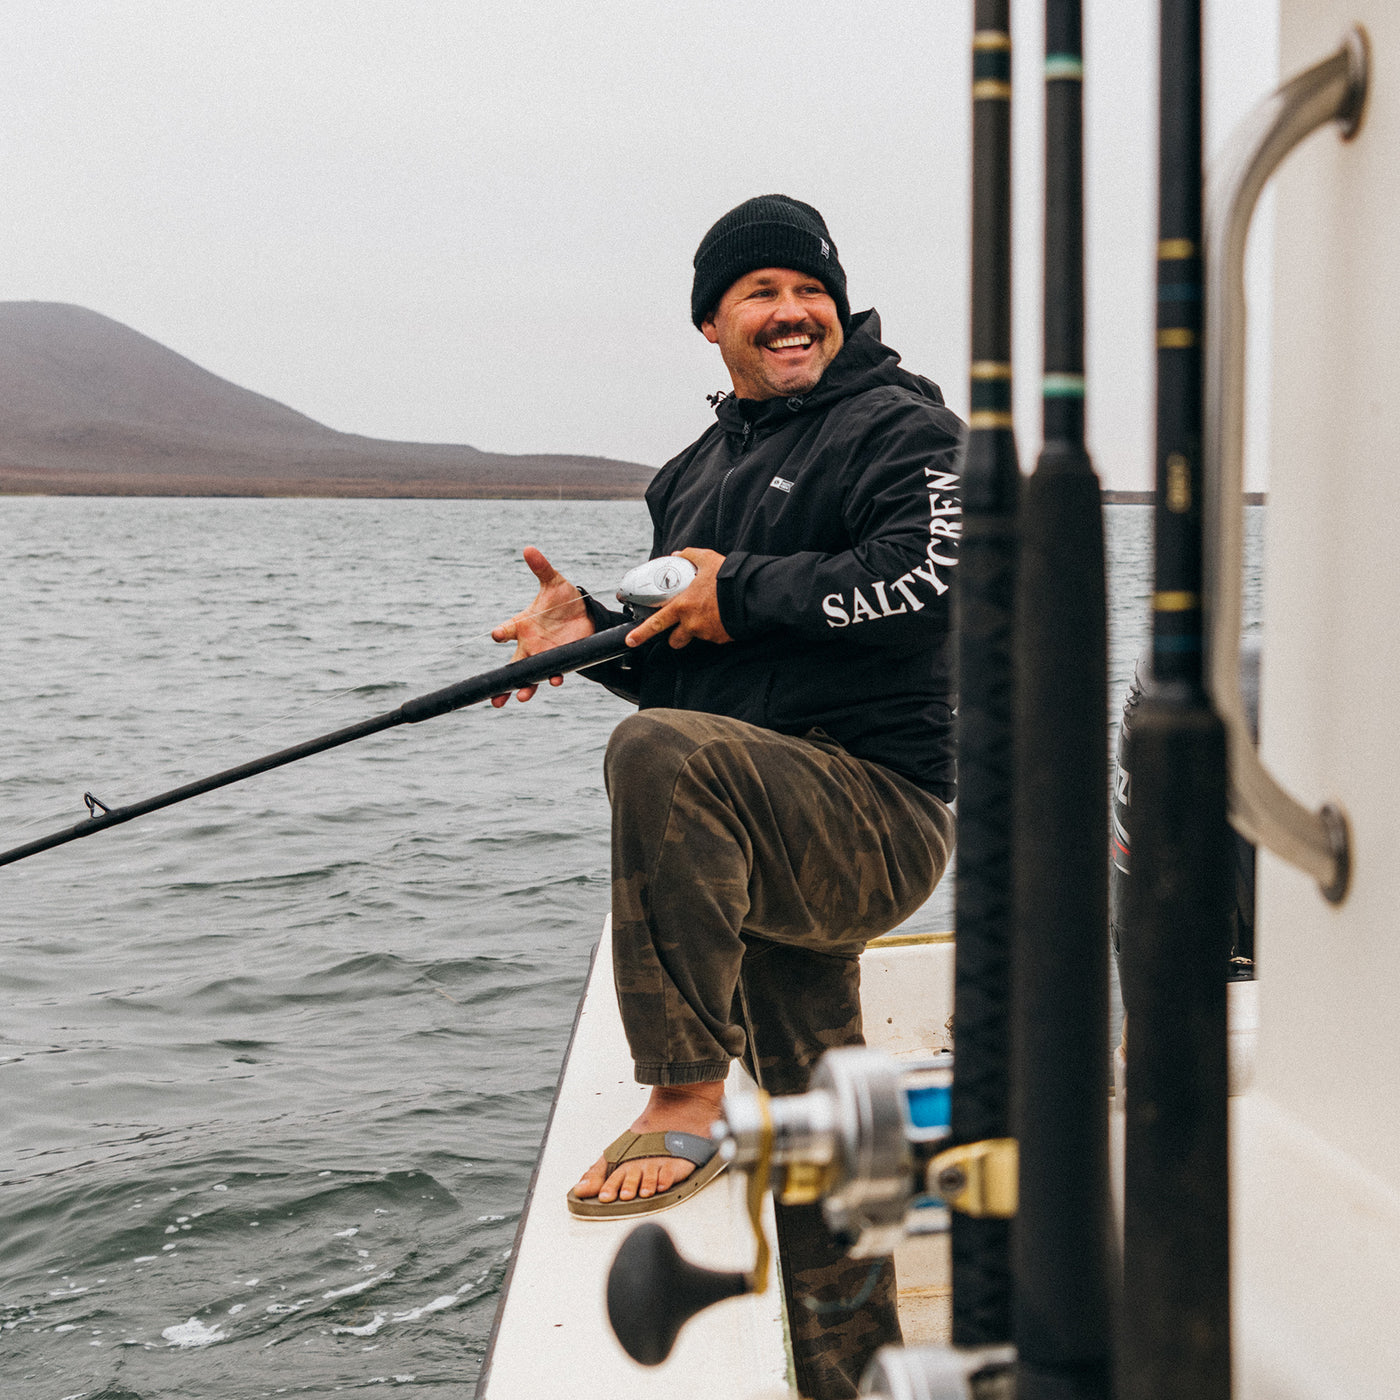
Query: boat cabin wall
{"x": 1330, "y": 697}
{"x": 1315, "y": 1145}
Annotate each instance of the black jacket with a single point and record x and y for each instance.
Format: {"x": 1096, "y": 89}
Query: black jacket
{"x": 838, "y": 516}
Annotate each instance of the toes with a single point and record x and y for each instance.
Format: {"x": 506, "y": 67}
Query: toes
{"x": 648, "y": 1185}
{"x": 591, "y": 1182}
{"x": 621, "y": 1185}
{"x": 644, "y": 1178}
{"x": 627, "y": 1179}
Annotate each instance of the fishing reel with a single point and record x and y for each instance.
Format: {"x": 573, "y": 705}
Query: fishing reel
{"x": 650, "y": 586}
{"x": 941, "y": 1373}
{"x": 868, "y": 1140}
{"x": 860, "y": 1141}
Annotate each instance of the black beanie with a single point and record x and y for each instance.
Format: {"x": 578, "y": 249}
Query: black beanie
{"x": 770, "y": 230}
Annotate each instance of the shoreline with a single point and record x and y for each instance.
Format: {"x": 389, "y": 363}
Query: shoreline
{"x": 405, "y": 490}
{"x": 22, "y": 484}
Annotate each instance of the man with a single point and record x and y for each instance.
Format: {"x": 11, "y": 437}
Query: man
{"x": 780, "y": 796}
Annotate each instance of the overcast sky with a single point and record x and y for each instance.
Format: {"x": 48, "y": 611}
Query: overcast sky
{"x": 473, "y": 222}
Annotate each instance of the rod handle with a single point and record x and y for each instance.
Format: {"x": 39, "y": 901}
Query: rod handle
{"x": 559, "y": 661}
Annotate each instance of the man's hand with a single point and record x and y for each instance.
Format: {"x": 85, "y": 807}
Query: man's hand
{"x": 692, "y": 613}
{"x": 556, "y": 616}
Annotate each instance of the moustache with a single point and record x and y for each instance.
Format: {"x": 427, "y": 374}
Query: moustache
{"x": 809, "y": 328}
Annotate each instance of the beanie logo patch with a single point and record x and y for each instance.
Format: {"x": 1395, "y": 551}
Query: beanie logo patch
{"x": 826, "y": 248}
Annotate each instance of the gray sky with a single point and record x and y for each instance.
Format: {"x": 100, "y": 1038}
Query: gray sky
{"x": 473, "y": 222}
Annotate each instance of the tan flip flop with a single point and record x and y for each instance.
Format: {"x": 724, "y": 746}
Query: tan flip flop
{"x": 689, "y": 1147}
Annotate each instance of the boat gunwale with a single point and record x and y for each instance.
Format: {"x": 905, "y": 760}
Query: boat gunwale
{"x": 484, "y": 1375}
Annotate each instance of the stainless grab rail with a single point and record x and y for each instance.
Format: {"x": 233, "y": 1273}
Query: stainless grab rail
{"x": 1333, "y": 90}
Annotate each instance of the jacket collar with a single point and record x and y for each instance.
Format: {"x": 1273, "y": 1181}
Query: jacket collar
{"x": 863, "y": 362}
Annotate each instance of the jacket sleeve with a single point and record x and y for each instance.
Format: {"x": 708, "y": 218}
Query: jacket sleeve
{"x": 620, "y": 674}
{"x": 893, "y": 587}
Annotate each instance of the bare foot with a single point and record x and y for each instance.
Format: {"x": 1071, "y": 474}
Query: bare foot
{"x": 690, "y": 1109}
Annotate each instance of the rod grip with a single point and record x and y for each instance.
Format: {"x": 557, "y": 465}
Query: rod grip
{"x": 1061, "y": 1247}
{"x": 1176, "y": 1296}
{"x": 572, "y": 656}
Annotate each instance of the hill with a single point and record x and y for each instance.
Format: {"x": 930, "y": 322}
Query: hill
{"x": 89, "y": 406}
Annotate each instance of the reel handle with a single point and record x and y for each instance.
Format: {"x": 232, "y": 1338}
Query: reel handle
{"x": 653, "y": 1292}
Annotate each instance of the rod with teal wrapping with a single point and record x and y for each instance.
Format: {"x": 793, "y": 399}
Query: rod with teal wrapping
{"x": 1175, "y": 933}
{"x": 981, "y": 1249}
{"x": 1061, "y": 1237}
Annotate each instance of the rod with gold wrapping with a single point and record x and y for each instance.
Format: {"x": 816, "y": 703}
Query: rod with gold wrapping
{"x": 1060, "y": 955}
{"x": 1176, "y": 932}
{"x": 986, "y": 603}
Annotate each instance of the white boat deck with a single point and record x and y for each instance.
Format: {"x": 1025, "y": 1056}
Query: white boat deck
{"x": 906, "y": 992}
{"x": 553, "y": 1329}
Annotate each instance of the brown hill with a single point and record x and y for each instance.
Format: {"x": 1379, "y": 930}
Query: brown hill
{"x": 89, "y": 406}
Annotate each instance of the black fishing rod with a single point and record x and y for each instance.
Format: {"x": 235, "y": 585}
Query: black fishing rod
{"x": 986, "y": 599}
{"x": 1176, "y": 1259}
{"x": 1061, "y": 1239}
{"x": 644, "y": 590}
{"x": 590, "y": 651}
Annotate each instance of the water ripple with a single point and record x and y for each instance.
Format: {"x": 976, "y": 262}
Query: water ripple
{"x": 276, "y": 1062}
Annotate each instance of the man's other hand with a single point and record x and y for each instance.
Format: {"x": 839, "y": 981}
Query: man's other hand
{"x": 555, "y": 617}
{"x": 692, "y": 613}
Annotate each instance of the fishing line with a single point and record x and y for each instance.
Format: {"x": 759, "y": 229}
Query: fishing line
{"x": 101, "y": 789}
{"x": 438, "y": 988}
{"x": 645, "y": 590}
{"x": 422, "y": 666}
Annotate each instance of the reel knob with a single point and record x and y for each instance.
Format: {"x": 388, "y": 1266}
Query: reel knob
{"x": 653, "y": 1292}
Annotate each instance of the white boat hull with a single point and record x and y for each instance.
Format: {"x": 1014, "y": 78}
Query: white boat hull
{"x": 552, "y": 1327}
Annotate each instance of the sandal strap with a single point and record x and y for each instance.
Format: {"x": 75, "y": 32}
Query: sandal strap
{"x": 689, "y": 1147}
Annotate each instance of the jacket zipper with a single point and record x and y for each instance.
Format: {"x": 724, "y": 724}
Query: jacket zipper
{"x": 724, "y": 480}
{"x": 719, "y": 508}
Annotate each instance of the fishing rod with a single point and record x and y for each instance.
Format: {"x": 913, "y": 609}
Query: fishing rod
{"x": 981, "y": 1245}
{"x": 1176, "y": 1252}
{"x": 1061, "y": 1240}
{"x": 644, "y": 590}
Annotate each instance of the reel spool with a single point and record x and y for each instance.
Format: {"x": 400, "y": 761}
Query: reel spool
{"x": 868, "y": 1140}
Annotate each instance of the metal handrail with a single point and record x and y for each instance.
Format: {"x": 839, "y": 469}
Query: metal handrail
{"x": 1333, "y": 90}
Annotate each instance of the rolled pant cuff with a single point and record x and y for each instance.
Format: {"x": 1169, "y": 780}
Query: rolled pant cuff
{"x": 669, "y": 1076}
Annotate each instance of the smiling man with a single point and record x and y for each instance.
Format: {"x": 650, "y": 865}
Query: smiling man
{"x": 777, "y": 331}
{"x": 780, "y": 796}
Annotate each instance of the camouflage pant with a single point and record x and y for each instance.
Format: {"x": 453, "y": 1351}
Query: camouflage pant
{"x": 750, "y": 869}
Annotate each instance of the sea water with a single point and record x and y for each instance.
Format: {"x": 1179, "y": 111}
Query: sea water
{"x": 274, "y": 1064}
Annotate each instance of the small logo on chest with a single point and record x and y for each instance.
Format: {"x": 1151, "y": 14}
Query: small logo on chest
{"x": 781, "y": 484}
